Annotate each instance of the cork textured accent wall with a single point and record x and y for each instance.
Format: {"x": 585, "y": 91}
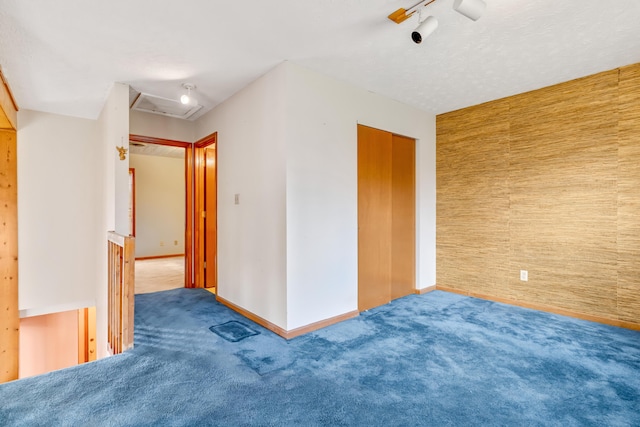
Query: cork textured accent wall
{"x": 549, "y": 182}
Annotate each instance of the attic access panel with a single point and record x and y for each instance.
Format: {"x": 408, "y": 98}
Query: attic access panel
{"x": 165, "y": 106}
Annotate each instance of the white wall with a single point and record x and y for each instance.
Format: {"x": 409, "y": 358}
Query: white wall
{"x": 322, "y": 190}
{"x": 113, "y": 131}
{"x": 160, "y": 205}
{"x": 288, "y": 145}
{"x": 59, "y": 207}
{"x": 158, "y": 126}
{"x": 251, "y": 163}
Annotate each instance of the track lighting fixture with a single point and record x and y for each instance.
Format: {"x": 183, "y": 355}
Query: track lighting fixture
{"x": 187, "y": 98}
{"x": 423, "y": 30}
{"x": 472, "y": 9}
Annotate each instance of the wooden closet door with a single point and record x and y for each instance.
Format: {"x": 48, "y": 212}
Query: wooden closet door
{"x": 403, "y": 217}
{"x": 211, "y": 225}
{"x": 374, "y": 217}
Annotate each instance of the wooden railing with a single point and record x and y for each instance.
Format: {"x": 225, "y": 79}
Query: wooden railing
{"x": 121, "y": 291}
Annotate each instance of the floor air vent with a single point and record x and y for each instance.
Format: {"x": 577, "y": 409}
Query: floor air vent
{"x": 166, "y": 107}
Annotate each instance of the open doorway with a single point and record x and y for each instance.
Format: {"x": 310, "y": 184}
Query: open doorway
{"x": 158, "y": 192}
{"x": 199, "y": 204}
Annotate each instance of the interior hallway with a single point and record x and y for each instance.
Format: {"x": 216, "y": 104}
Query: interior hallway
{"x": 160, "y": 274}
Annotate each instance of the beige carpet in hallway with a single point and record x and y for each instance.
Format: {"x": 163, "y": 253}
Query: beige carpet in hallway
{"x": 153, "y": 275}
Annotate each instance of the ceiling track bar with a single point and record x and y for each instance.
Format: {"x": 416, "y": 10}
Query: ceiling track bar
{"x": 402, "y": 15}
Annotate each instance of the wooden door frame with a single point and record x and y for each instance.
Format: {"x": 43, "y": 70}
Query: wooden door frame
{"x": 189, "y": 206}
{"x": 199, "y": 206}
{"x": 132, "y": 200}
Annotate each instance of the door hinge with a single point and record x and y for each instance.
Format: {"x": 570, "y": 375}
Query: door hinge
{"x": 204, "y": 214}
{"x": 205, "y": 264}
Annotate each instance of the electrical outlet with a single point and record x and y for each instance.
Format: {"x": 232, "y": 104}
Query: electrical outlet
{"x": 524, "y": 275}
{"x": 175, "y": 243}
{"x": 236, "y": 199}
{"x": 161, "y": 243}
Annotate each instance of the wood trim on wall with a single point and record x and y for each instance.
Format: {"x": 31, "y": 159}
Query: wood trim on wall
{"x": 425, "y": 290}
{"x": 86, "y": 334}
{"x": 132, "y": 201}
{"x": 207, "y": 140}
{"x": 189, "y": 212}
{"x": 545, "y": 308}
{"x": 293, "y": 332}
{"x": 8, "y": 106}
{"x": 9, "y": 314}
{"x": 198, "y": 219}
{"x": 321, "y": 324}
{"x": 158, "y": 141}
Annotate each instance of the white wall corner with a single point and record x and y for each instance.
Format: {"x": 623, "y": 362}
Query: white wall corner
{"x": 113, "y": 123}
{"x": 251, "y": 163}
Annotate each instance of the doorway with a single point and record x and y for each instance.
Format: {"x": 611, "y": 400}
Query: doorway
{"x": 200, "y": 206}
{"x": 386, "y": 217}
{"x": 159, "y": 188}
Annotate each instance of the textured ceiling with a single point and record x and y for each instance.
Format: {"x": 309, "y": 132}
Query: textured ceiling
{"x": 62, "y": 56}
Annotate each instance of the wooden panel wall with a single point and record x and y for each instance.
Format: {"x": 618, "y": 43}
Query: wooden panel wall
{"x": 547, "y": 181}
{"x": 9, "y": 319}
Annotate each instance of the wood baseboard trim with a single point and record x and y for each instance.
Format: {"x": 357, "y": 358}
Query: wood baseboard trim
{"x": 546, "y": 308}
{"x": 142, "y": 258}
{"x": 282, "y": 332}
{"x": 321, "y": 324}
{"x": 249, "y": 315}
{"x": 425, "y": 290}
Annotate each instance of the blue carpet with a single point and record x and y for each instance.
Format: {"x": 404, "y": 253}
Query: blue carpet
{"x": 437, "y": 359}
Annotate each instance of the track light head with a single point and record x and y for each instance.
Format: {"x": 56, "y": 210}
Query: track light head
{"x": 472, "y": 9}
{"x": 423, "y": 30}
